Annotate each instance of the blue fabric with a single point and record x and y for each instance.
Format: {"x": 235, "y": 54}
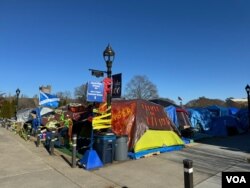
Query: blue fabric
{"x": 48, "y": 100}
{"x": 218, "y": 111}
{"x": 200, "y": 118}
{"x": 219, "y": 126}
{"x": 171, "y": 112}
{"x": 233, "y": 111}
{"x": 242, "y": 115}
{"x": 37, "y": 121}
{"x": 143, "y": 153}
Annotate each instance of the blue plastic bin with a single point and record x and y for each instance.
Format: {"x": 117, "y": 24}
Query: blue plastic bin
{"x": 105, "y": 147}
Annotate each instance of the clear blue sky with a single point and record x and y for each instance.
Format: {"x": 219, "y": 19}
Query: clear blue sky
{"x": 186, "y": 48}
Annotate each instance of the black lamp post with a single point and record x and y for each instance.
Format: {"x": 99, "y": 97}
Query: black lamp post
{"x": 17, "y": 97}
{"x": 109, "y": 56}
{"x": 247, "y": 88}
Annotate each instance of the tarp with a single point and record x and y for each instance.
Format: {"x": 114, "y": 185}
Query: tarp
{"x": 179, "y": 116}
{"x": 218, "y": 111}
{"x": 233, "y": 110}
{"x": 172, "y": 114}
{"x": 218, "y": 121}
{"x": 224, "y": 126}
{"x": 242, "y": 115}
{"x": 134, "y": 117}
{"x": 200, "y": 118}
{"x": 24, "y": 115}
{"x": 45, "y": 111}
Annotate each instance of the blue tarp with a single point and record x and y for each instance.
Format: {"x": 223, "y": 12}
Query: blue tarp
{"x": 224, "y": 126}
{"x": 218, "y": 121}
{"x": 171, "y": 112}
{"x": 233, "y": 111}
{"x": 179, "y": 116}
{"x": 200, "y": 118}
{"x": 218, "y": 111}
{"x": 242, "y": 115}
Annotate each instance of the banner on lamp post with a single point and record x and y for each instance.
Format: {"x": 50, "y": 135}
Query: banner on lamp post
{"x": 95, "y": 91}
{"x": 117, "y": 85}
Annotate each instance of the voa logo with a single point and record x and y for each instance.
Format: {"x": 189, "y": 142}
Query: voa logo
{"x": 236, "y": 179}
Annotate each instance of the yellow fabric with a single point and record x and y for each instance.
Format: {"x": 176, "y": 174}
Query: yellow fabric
{"x": 157, "y": 138}
{"x": 102, "y": 121}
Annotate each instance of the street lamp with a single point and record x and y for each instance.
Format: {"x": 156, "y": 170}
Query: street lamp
{"x": 247, "y": 88}
{"x": 109, "y": 56}
{"x": 17, "y": 97}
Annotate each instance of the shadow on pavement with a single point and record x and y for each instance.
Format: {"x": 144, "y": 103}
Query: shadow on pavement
{"x": 239, "y": 142}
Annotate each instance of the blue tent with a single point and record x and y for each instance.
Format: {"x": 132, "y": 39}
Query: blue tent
{"x": 218, "y": 111}
{"x": 179, "y": 117}
{"x": 218, "y": 121}
{"x": 242, "y": 115}
{"x": 233, "y": 111}
{"x": 224, "y": 126}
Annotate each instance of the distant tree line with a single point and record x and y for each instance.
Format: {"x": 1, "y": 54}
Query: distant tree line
{"x": 204, "y": 102}
{"x": 139, "y": 87}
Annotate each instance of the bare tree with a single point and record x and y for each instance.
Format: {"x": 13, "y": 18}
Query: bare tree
{"x": 64, "y": 95}
{"x": 140, "y": 87}
{"x": 81, "y": 93}
{"x": 1, "y": 98}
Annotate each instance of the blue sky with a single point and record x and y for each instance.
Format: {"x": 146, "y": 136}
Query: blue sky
{"x": 186, "y": 48}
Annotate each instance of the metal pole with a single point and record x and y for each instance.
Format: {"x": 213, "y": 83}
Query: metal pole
{"x": 16, "y": 106}
{"x": 74, "y": 151}
{"x": 109, "y": 73}
{"x": 188, "y": 173}
{"x": 17, "y": 98}
{"x": 52, "y": 143}
{"x": 248, "y": 103}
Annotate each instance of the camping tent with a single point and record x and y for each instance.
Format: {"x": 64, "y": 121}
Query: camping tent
{"x": 218, "y": 111}
{"x": 179, "y": 116}
{"x": 224, "y": 126}
{"x": 242, "y": 115}
{"x": 181, "y": 120}
{"x": 145, "y": 123}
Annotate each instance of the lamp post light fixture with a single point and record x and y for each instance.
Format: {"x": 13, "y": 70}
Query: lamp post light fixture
{"x": 17, "y": 97}
{"x": 247, "y": 88}
{"x": 109, "y": 56}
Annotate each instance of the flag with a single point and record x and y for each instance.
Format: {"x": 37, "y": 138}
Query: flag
{"x": 48, "y": 100}
{"x": 179, "y": 98}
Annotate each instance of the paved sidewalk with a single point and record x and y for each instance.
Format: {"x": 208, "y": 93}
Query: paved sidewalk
{"x": 22, "y": 164}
